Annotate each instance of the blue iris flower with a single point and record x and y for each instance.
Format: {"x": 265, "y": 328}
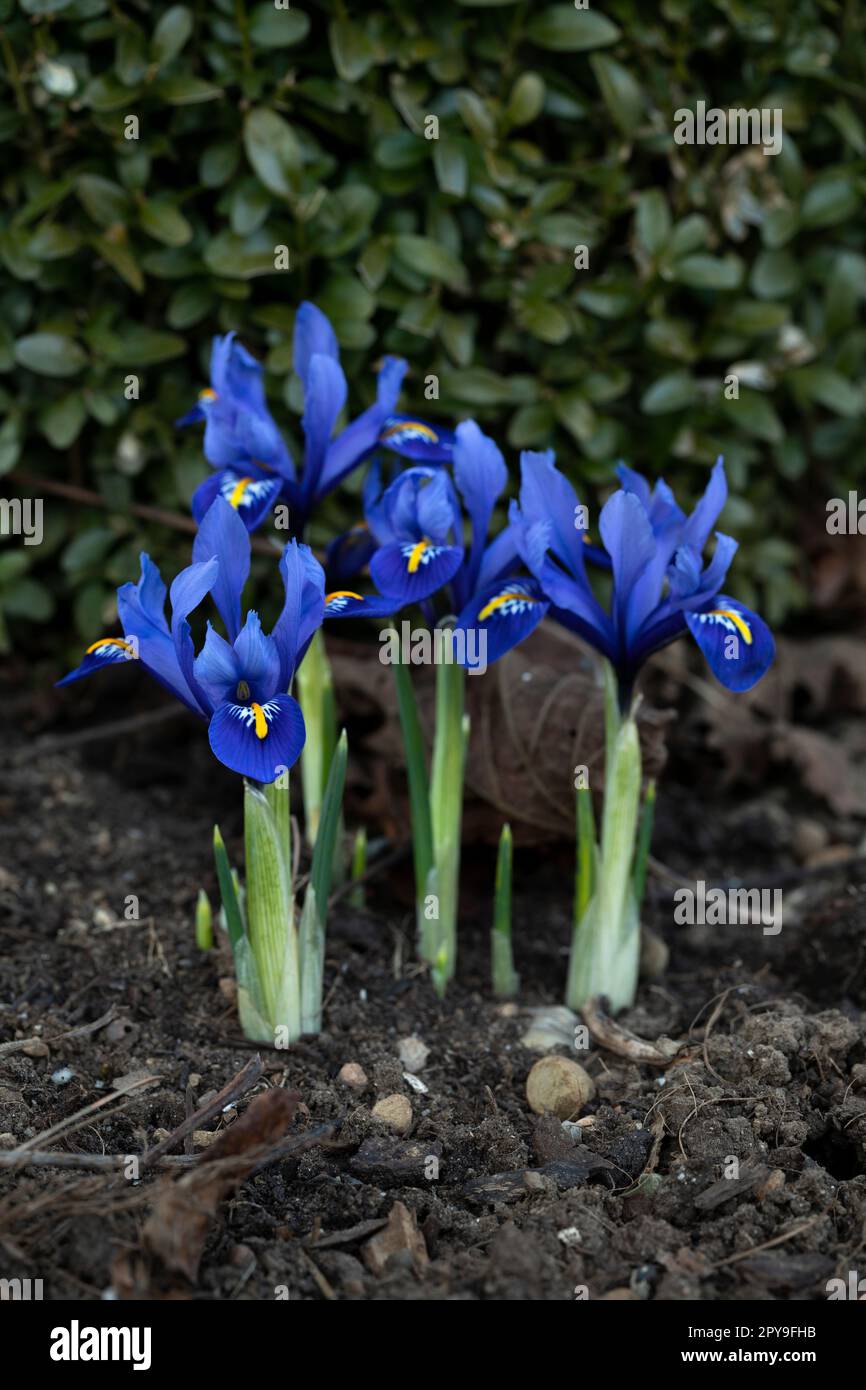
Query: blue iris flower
{"x": 417, "y": 524}
{"x": 238, "y": 683}
{"x": 242, "y": 443}
{"x": 661, "y": 587}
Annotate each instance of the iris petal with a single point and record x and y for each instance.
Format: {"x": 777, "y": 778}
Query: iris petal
{"x": 358, "y": 440}
{"x": 216, "y": 667}
{"x": 697, "y": 528}
{"x": 223, "y": 534}
{"x": 345, "y": 603}
{"x": 737, "y": 644}
{"x": 258, "y": 658}
{"x": 481, "y": 476}
{"x": 258, "y": 740}
{"x": 546, "y": 495}
{"x": 313, "y": 336}
{"x": 324, "y": 398}
{"x": 417, "y": 439}
{"x": 409, "y": 571}
{"x": 506, "y": 613}
{"x": 186, "y": 593}
{"x": 108, "y": 651}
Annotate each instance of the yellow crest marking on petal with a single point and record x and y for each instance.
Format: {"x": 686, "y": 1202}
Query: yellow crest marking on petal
{"x": 739, "y": 623}
{"x": 240, "y": 487}
{"x": 342, "y": 593}
{"x": 208, "y": 394}
{"x": 110, "y": 642}
{"x": 415, "y": 557}
{"x": 498, "y": 601}
{"x": 415, "y": 425}
{"x": 261, "y": 722}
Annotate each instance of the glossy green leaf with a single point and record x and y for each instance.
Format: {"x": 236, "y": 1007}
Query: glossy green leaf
{"x": 50, "y": 354}
{"x": 567, "y": 30}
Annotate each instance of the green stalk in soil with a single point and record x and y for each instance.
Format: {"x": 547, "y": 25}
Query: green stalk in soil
{"x": 357, "y": 896}
{"x": 419, "y": 793}
{"x": 446, "y": 810}
{"x": 315, "y": 691}
{"x": 279, "y": 963}
{"x": 606, "y": 943}
{"x": 505, "y": 979}
{"x": 203, "y": 922}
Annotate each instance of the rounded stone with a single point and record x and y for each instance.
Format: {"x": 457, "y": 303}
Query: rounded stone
{"x": 558, "y": 1086}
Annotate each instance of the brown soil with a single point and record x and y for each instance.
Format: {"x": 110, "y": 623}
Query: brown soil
{"x": 774, "y": 1076}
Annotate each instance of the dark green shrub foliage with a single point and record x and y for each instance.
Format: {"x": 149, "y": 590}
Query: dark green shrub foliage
{"x": 257, "y": 127}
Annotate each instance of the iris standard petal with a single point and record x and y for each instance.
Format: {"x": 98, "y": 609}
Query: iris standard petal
{"x": 697, "y": 527}
{"x": 737, "y": 644}
{"x": 144, "y": 602}
{"x": 223, "y": 534}
{"x": 505, "y": 613}
{"x": 141, "y": 609}
{"x": 258, "y": 740}
{"x": 547, "y": 495}
{"x": 358, "y": 440}
{"x": 480, "y": 475}
{"x": 313, "y": 337}
{"x": 258, "y": 658}
{"x": 312, "y": 597}
{"x": 412, "y": 570}
{"x": 629, "y": 541}
{"x": 216, "y": 667}
{"x": 635, "y": 482}
{"x": 438, "y": 511}
{"x": 186, "y": 593}
{"x": 324, "y": 398}
{"x": 690, "y": 585}
{"x": 243, "y": 378}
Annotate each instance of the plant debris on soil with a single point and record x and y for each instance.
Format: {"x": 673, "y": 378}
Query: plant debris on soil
{"x": 396, "y": 1157}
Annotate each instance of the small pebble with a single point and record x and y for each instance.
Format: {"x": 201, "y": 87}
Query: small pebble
{"x": 353, "y": 1074}
{"x": 36, "y": 1049}
{"x": 560, "y": 1086}
{"x": 202, "y": 1138}
{"x": 413, "y": 1053}
{"x": 394, "y": 1111}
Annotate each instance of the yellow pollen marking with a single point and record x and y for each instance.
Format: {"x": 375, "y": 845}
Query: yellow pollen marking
{"x": 343, "y": 593}
{"x": 238, "y": 491}
{"x": 738, "y": 622}
{"x": 208, "y": 394}
{"x": 261, "y": 722}
{"x": 498, "y": 602}
{"x": 110, "y": 642}
{"x": 410, "y": 425}
{"x": 415, "y": 557}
